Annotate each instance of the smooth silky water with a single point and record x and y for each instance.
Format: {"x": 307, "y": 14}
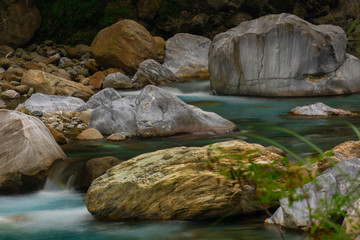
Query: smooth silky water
{"x": 55, "y": 213}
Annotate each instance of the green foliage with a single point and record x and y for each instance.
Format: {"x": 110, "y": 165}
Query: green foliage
{"x": 273, "y": 183}
{"x": 77, "y": 21}
{"x": 352, "y": 27}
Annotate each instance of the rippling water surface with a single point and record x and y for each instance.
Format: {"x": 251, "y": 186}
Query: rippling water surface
{"x": 61, "y": 214}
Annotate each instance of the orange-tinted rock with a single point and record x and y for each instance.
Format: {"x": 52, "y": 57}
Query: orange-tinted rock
{"x": 58, "y": 136}
{"x": 97, "y": 79}
{"x": 90, "y": 134}
{"x": 124, "y": 44}
{"x": 50, "y": 84}
{"x": 160, "y": 49}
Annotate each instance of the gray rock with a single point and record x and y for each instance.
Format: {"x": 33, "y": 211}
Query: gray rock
{"x": 160, "y": 113}
{"x": 9, "y": 94}
{"x": 40, "y": 103}
{"x": 119, "y": 116}
{"x": 28, "y": 152}
{"x": 319, "y": 109}
{"x": 151, "y": 72}
{"x": 117, "y": 81}
{"x": 352, "y": 220}
{"x": 186, "y": 55}
{"x": 153, "y": 113}
{"x": 102, "y": 98}
{"x": 342, "y": 179}
{"x": 2, "y": 104}
{"x": 289, "y": 57}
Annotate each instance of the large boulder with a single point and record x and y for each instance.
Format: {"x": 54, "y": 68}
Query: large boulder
{"x": 40, "y": 103}
{"x": 177, "y": 183}
{"x": 124, "y": 44}
{"x": 19, "y": 21}
{"x": 153, "y": 113}
{"x": 186, "y": 55}
{"x": 288, "y": 57}
{"x": 102, "y": 98}
{"x": 28, "y": 151}
{"x": 320, "y": 195}
{"x": 160, "y": 113}
{"x": 151, "y": 72}
{"x": 50, "y": 84}
{"x": 119, "y": 116}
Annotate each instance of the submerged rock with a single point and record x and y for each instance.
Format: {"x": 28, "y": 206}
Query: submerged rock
{"x": 289, "y": 57}
{"x": 320, "y": 109}
{"x": 28, "y": 151}
{"x": 177, "y": 184}
{"x": 186, "y": 55}
{"x": 343, "y": 180}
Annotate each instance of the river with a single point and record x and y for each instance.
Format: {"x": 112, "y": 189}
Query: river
{"x": 59, "y": 212}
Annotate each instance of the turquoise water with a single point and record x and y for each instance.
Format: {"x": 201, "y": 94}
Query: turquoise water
{"x": 61, "y": 214}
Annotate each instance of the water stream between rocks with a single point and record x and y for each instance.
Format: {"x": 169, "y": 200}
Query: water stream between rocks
{"x": 55, "y": 213}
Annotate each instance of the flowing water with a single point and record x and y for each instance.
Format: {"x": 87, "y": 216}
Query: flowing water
{"x": 61, "y": 214}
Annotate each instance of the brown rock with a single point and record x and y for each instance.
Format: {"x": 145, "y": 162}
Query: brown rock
{"x": 97, "y": 79}
{"x": 124, "y": 44}
{"x": 78, "y": 50}
{"x": 116, "y": 137}
{"x": 113, "y": 70}
{"x": 5, "y": 63}
{"x": 32, "y": 66}
{"x": 147, "y": 9}
{"x": 92, "y": 66}
{"x": 98, "y": 166}
{"x": 10, "y": 76}
{"x": 6, "y": 86}
{"x": 90, "y": 134}
{"x": 58, "y": 136}
{"x": 20, "y": 20}
{"x": 52, "y": 85}
{"x": 341, "y": 152}
{"x": 180, "y": 183}
{"x": 160, "y": 49}
{"x": 22, "y": 89}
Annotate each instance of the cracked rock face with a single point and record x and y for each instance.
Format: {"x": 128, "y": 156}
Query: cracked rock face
{"x": 153, "y": 113}
{"x": 282, "y": 55}
{"x": 28, "y": 151}
{"x": 176, "y": 184}
{"x": 342, "y": 179}
{"x": 18, "y": 22}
